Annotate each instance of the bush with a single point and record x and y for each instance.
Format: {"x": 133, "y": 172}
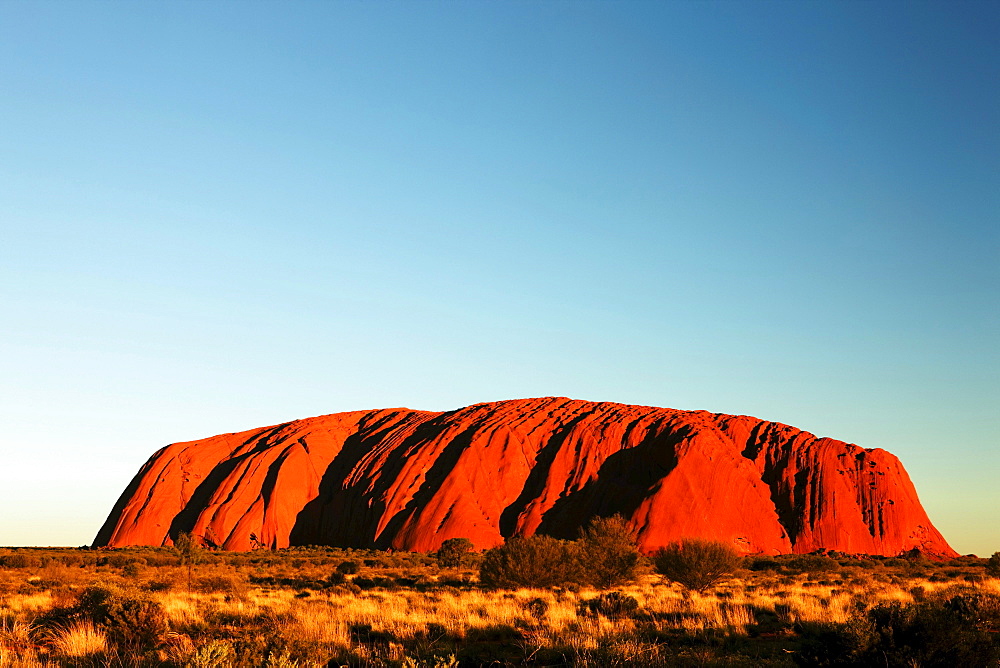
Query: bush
{"x": 132, "y": 570}
{"x": 347, "y": 567}
{"x": 159, "y": 585}
{"x": 213, "y": 654}
{"x": 222, "y": 584}
{"x": 131, "y": 618}
{"x": 605, "y": 556}
{"x": 993, "y": 565}
{"x": 612, "y": 604}
{"x": 71, "y": 559}
{"x": 370, "y": 583}
{"x": 954, "y": 632}
{"x": 537, "y": 607}
{"x": 608, "y": 552}
{"x": 19, "y": 560}
{"x": 531, "y": 561}
{"x": 764, "y": 564}
{"x": 453, "y": 551}
{"x": 697, "y": 564}
{"x": 161, "y": 558}
{"x": 120, "y": 560}
{"x": 812, "y": 563}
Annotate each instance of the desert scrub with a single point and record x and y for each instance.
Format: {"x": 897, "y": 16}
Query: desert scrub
{"x": 697, "y": 564}
{"x": 608, "y": 552}
{"x": 531, "y": 561}
{"x": 131, "y": 618}
{"x": 453, "y": 552}
{"x": 955, "y": 631}
{"x": 754, "y": 618}
{"x": 612, "y": 604}
{"x": 606, "y": 555}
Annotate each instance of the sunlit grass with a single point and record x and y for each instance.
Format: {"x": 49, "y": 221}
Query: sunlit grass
{"x": 80, "y": 639}
{"x": 313, "y": 622}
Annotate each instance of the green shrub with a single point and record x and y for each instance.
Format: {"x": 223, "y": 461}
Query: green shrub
{"x": 993, "y": 565}
{"x": 131, "y": 618}
{"x": 382, "y": 582}
{"x": 453, "y": 551}
{"x": 697, "y": 564}
{"x": 120, "y": 560}
{"x": 531, "y": 561}
{"x": 537, "y": 607}
{"x": 348, "y": 567}
{"x": 189, "y": 552}
{"x": 967, "y": 560}
{"x": 447, "y": 661}
{"x": 159, "y": 585}
{"x": 71, "y": 559}
{"x": 812, "y": 563}
{"x": 132, "y": 570}
{"x": 281, "y": 660}
{"x": 162, "y": 558}
{"x": 608, "y": 552}
{"x": 763, "y": 564}
{"x": 612, "y": 604}
{"x": 222, "y": 584}
{"x": 954, "y": 632}
{"x": 20, "y": 560}
{"x": 213, "y": 654}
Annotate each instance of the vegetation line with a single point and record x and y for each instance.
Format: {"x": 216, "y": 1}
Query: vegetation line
{"x": 317, "y": 606}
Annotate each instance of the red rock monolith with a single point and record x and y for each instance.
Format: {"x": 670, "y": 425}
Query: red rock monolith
{"x": 410, "y": 480}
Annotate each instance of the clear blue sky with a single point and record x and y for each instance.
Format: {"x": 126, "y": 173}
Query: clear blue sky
{"x": 218, "y": 216}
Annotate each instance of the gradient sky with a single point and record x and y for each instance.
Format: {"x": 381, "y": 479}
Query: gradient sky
{"x": 219, "y": 216}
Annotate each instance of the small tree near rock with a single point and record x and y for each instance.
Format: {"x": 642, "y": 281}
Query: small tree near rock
{"x": 453, "y": 551}
{"x": 697, "y": 564}
{"x": 609, "y": 553}
{"x": 189, "y": 550}
{"x": 531, "y": 561}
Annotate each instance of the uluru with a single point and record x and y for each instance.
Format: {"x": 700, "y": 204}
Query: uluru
{"x": 409, "y": 480}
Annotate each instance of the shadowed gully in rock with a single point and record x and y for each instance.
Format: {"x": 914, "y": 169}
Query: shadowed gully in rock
{"x": 410, "y": 480}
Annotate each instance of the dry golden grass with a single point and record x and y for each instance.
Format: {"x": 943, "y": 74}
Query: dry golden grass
{"x": 404, "y": 614}
{"x": 9, "y": 659}
{"x": 19, "y": 604}
{"x": 79, "y": 639}
{"x": 387, "y": 626}
{"x": 16, "y": 643}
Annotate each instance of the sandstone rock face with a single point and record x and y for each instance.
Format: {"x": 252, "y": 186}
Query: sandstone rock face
{"x": 412, "y": 479}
